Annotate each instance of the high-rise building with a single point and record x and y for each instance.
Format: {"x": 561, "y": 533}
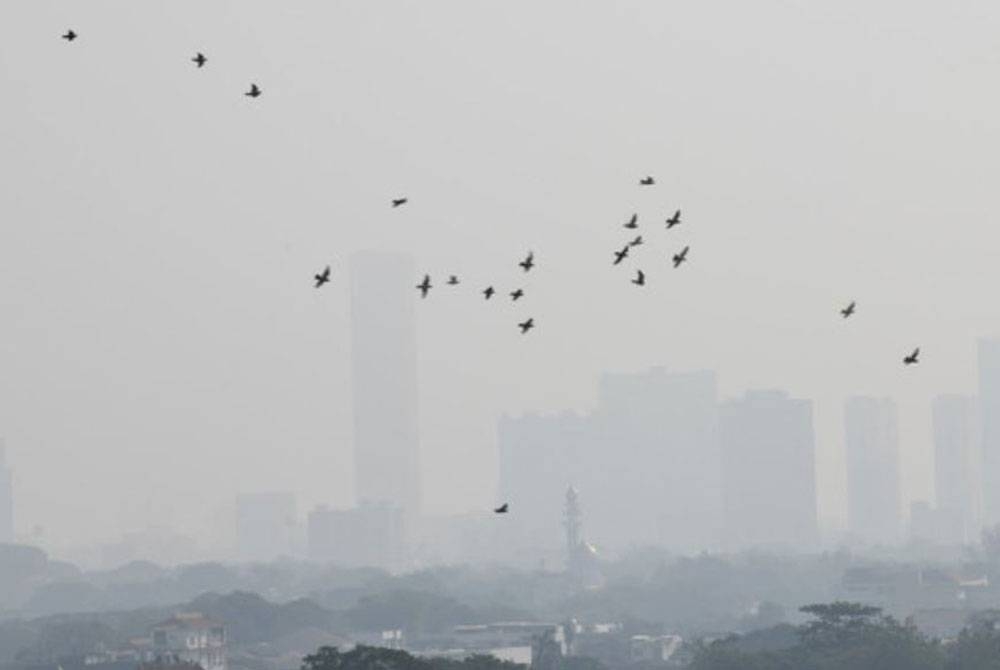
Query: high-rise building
{"x": 266, "y": 525}
{"x": 384, "y": 363}
{"x": 769, "y": 471}
{"x": 957, "y": 477}
{"x": 647, "y": 459}
{"x": 6, "y": 499}
{"x": 989, "y": 408}
{"x": 872, "y": 469}
{"x": 370, "y": 535}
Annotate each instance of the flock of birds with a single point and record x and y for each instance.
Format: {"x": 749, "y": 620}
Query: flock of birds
{"x": 619, "y": 256}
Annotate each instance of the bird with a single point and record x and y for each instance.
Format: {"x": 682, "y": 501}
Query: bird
{"x": 674, "y": 220}
{"x": 453, "y": 280}
{"x": 633, "y": 222}
{"x": 912, "y": 358}
{"x": 424, "y": 286}
{"x": 502, "y": 509}
{"x": 525, "y": 326}
{"x": 621, "y": 255}
{"x": 254, "y": 91}
{"x": 514, "y": 295}
{"x": 646, "y": 181}
{"x": 322, "y": 277}
{"x": 681, "y": 257}
{"x": 200, "y": 59}
{"x": 640, "y": 278}
{"x": 488, "y": 292}
{"x": 396, "y": 202}
{"x": 636, "y": 242}
{"x": 528, "y": 262}
{"x": 69, "y": 36}
{"x": 847, "y": 311}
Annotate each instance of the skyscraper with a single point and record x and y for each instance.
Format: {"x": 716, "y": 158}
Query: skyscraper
{"x": 6, "y": 499}
{"x": 266, "y": 525}
{"x": 989, "y": 408}
{"x": 872, "y": 469}
{"x": 384, "y": 364}
{"x": 769, "y": 472}
{"x": 957, "y": 477}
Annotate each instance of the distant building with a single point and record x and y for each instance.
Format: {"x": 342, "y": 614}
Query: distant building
{"x": 647, "y": 456}
{"x": 190, "y": 638}
{"x": 384, "y": 362}
{"x": 6, "y": 499}
{"x": 872, "y": 469}
{"x": 769, "y": 471}
{"x": 989, "y": 408}
{"x": 370, "y": 535}
{"x": 265, "y": 525}
{"x": 957, "y": 470}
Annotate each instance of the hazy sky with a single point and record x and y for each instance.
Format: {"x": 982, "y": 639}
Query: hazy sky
{"x": 162, "y": 347}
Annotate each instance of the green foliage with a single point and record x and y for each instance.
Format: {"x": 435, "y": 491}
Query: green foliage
{"x": 378, "y": 658}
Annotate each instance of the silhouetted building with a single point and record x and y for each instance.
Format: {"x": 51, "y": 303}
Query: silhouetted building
{"x": 370, "y": 535}
{"x": 6, "y": 499}
{"x": 989, "y": 407}
{"x": 647, "y": 456}
{"x": 769, "y": 471}
{"x": 872, "y": 469}
{"x": 190, "y": 638}
{"x": 957, "y": 478}
{"x": 384, "y": 362}
{"x": 265, "y": 525}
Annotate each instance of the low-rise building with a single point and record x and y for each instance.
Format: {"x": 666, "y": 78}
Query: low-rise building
{"x": 190, "y": 638}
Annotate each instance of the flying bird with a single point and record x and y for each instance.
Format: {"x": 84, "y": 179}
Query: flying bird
{"x": 681, "y": 257}
{"x": 847, "y": 311}
{"x": 488, "y": 292}
{"x": 633, "y": 222}
{"x": 674, "y": 220}
{"x": 646, "y": 181}
{"x": 254, "y": 91}
{"x": 528, "y": 262}
{"x": 912, "y": 358}
{"x": 424, "y": 286}
{"x": 640, "y": 278}
{"x": 621, "y": 255}
{"x": 525, "y": 326}
{"x": 200, "y": 60}
{"x": 515, "y": 295}
{"x": 636, "y": 242}
{"x": 69, "y": 36}
{"x": 322, "y": 277}
{"x": 398, "y": 201}
{"x": 453, "y": 280}
{"x": 502, "y": 509}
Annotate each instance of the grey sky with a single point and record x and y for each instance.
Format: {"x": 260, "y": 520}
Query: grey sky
{"x": 162, "y": 346}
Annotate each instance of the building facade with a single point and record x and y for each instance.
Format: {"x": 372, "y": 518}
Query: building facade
{"x": 370, "y": 535}
{"x": 957, "y": 468}
{"x": 191, "y": 638}
{"x": 989, "y": 408}
{"x": 873, "y": 498}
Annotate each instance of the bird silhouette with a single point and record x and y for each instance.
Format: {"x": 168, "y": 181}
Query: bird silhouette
{"x": 488, "y": 292}
{"x": 525, "y": 326}
{"x": 674, "y": 220}
{"x": 528, "y": 262}
{"x": 322, "y": 277}
{"x": 633, "y": 222}
{"x": 636, "y": 242}
{"x": 847, "y": 311}
{"x": 912, "y": 358}
{"x": 646, "y": 181}
{"x": 200, "y": 60}
{"x": 69, "y": 36}
{"x": 453, "y": 280}
{"x": 399, "y": 201}
{"x": 621, "y": 255}
{"x": 681, "y": 257}
{"x": 424, "y": 286}
{"x": 515, "y": 295}
{"x": 640, "y": 278}
{"x": 254, "y": 91}
{"x": 502, "y": 509}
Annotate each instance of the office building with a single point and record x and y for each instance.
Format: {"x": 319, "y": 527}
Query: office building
{"x": 873, "y": 504}
{"x": 989, "y": 408}
{"x": 266, "y": 525}
{"x": 957, "y": 475}
{"x": 370, "y": 535}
